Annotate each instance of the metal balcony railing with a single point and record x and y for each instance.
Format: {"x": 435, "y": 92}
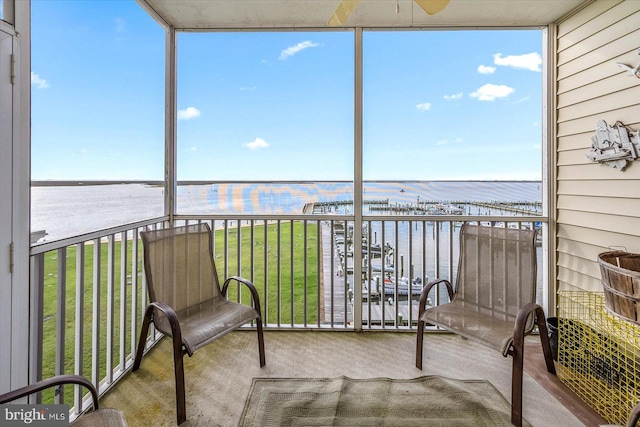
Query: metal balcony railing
{"x": 90, "y": 292}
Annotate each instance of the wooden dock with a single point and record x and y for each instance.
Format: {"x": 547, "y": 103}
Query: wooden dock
{"x": 337, "y": 310}
{"x": 334, "y": 279}
{"x": 429, "y": 207}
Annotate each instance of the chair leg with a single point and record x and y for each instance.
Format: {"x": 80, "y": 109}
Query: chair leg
{"x": 260, "y": 342}
{"x": 544, "y": 340}
{"x": 419, "y": 340}
{"x": 178, "y": 363}
{"x": 143, "y": 337}
{"x": 516, "y": 384}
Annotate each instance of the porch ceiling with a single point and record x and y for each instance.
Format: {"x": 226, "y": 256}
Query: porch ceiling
{"x": 233, "y": 14}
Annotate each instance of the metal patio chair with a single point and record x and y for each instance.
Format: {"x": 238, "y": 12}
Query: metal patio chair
{"x": 105, "y": 417}
{"x": 494, "y": 300}
{"x": 186, "y": 302}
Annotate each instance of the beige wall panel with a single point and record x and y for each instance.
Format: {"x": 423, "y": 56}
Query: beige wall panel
{"x": 603, "y": 87}
{"x": 626, "y": 115}
{"x": 578, "y": 281}
{"x": 579, "y": 126}
{"x": 588, "y": 76}
{"x": 603, "y": 104}
{"x": 605, "y": 43}
{"x": 573, "y": 157}
{"x": 580, "y": 250}
{"x": 579, "y": 141}
{"x": 627, "y": 98}
{"x": 597, "y": 207}
{"x": 621, "y": 188}
{"x": 617, "y": 50}
{"x": 575, "y": 21}
{"x": 611, "y": 223}
{"x": 596, "y": 171}
{"x": 596, "y": 237}
{"x": 597, "y": 23}
{"x": 564, "y": 286}
{"x": 588, "y": 267}
{"x": 582, "y": 79}
{"x": 606, "y": 205}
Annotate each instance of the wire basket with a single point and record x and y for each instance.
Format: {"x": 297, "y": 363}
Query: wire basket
{"x": 620, "y": 273}
{"x": 598, "y": 355}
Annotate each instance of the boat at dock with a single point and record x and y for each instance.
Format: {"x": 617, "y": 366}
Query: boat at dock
{"x": 391, "y": 291}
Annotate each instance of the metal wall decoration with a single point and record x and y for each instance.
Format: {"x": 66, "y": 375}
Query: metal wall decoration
{"x": 633, "y": 71}
{"x": 614, "y": 145}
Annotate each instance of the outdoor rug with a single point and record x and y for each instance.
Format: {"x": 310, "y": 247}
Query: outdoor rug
{"x": 342, "y": 401}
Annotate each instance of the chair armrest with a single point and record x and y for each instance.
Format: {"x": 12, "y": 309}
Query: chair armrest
{"x": 172, "y": 317}
{"x": 254, "y": 292}
{"x": 51, "y": 382}
{"x": 519, "y": 332}
{"x": 427, "y": 288}
{"x": 523, "y": 315}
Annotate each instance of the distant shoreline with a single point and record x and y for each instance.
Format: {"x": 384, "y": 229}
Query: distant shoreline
{"x": 70, "y": 208}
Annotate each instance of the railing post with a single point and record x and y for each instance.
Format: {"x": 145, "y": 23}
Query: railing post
{"x": 61, "y": 310}
{"x": 358, "y": 189}
{"x": 37, "y": 320}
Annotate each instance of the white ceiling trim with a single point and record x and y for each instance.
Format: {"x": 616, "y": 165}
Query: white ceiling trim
{"x": 315, "y": 14}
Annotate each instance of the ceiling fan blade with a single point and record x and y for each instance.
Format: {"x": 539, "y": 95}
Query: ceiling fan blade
{"x": 432, "y": 6}
{"x": 343, "y": 11}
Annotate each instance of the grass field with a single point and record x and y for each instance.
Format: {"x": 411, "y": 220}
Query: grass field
{"x": 284, "y": 270}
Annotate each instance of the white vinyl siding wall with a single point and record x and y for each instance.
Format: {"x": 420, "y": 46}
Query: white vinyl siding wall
{"x": 598, "y": 207}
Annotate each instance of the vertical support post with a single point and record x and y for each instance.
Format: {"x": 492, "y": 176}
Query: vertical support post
{"x": 37, "y": 316}
{"x": 357, "y": 182}
{"x": 134, "y": 290}
{"x": 170, "y": 178}
{"x": 549, "y": 144}
{"x": 95, "y": 335}
{"x": 15, "y": 306}
{"x": 124, "y": 248}
{"x": 111, "y": 253}
{"x": 8, "y": 12}
{"x": 79, "y": 324}
{"x": 61, "y": 315}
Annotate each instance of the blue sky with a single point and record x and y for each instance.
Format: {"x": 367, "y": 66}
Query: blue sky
{"x": 437, "y": 105}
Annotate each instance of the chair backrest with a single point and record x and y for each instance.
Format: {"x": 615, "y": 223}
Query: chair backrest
{"x": 497, "y": 270}
{"x": 179, "y": 267}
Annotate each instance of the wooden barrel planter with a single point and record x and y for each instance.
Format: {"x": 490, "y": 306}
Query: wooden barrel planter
{"x": 621, "y": 282}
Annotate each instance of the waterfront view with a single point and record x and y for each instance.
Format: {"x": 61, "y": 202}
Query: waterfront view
{"x": 67, "y": 210}
{"x": 414, "y": 244}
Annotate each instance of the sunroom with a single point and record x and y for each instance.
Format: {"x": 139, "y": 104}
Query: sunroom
{"x": 323, "y": 138}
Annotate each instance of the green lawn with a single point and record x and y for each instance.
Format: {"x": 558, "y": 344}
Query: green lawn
{"x": 285, "y": 288}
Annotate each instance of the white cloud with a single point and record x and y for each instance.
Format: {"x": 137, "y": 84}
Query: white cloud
{"x": 491, "y": 92}
{"x": 256, "y": 144}
{"x": 529, "y": 61}
{"x": 486, "y": 69}
{"x": 292, "y": 50}
{"x": 425, "y": 106}
{"x": 448, "y": 141}
{"x": 454, "y": 96}
{"x": 192, "y": 148}
{"x": 120, "y": 25}
{"x": 39, "y": 82}
{"x": 83, "y": 151}
{"x": 188, "y": 113}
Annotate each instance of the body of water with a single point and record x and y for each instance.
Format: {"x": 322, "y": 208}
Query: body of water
{"x": 67, "y": 210}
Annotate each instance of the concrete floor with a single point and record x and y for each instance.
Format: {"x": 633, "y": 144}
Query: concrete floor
{"x": 218, "y": 377}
